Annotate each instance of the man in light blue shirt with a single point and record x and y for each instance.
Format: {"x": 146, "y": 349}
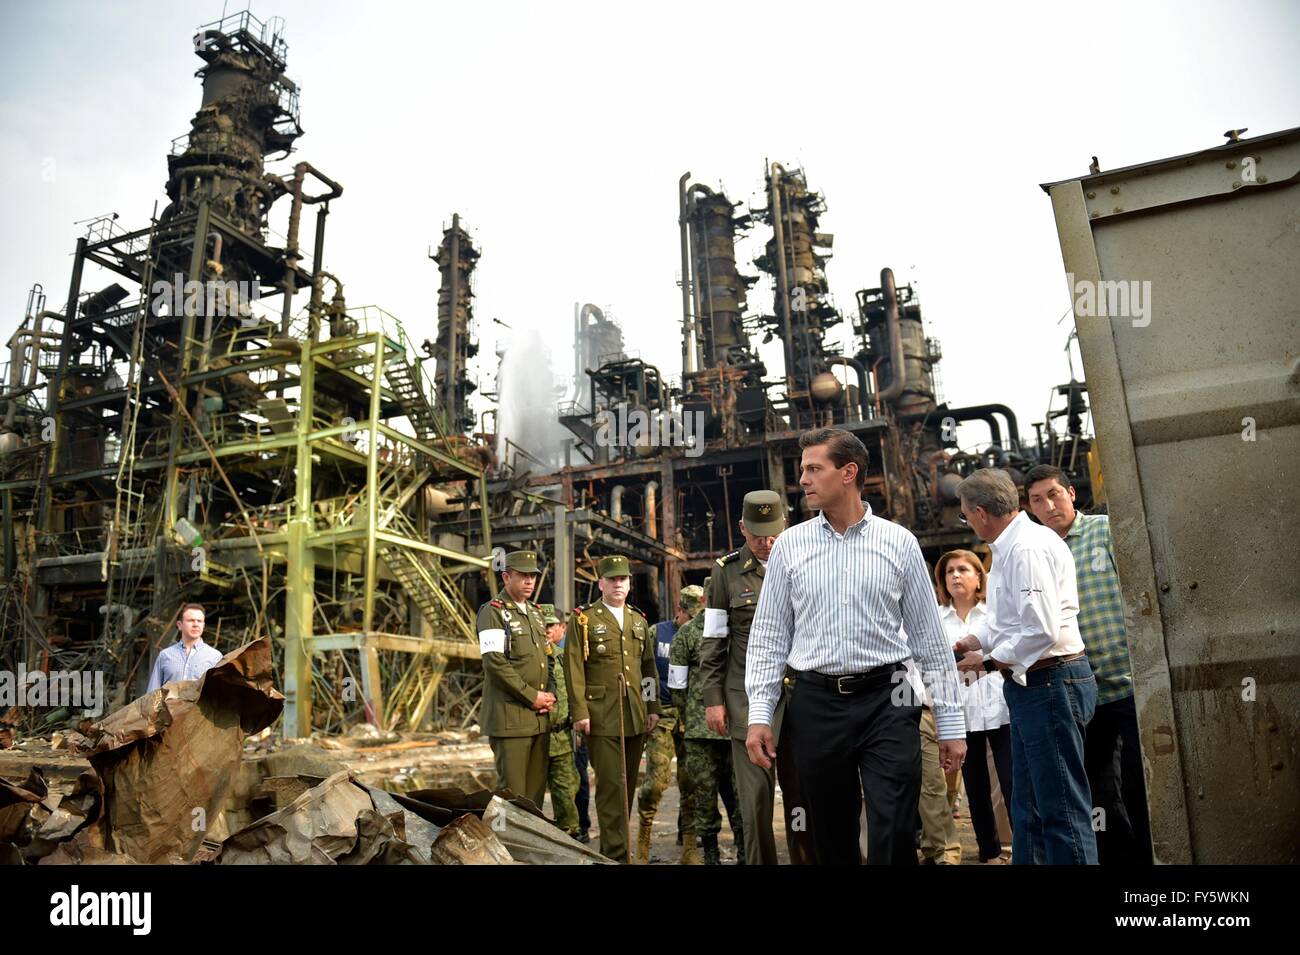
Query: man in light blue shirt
{"x": 189, "y": 657}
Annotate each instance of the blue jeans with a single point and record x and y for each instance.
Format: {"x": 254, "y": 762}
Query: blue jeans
{"x": 1051, "y": 806}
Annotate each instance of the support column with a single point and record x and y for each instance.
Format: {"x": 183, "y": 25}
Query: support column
{"x": 300, "y": 568}
{"x": 183, "y": 367}
{"x": 370, "y": 679}
{"x": 564, "y": 597}
{"x": 672, "y": 587}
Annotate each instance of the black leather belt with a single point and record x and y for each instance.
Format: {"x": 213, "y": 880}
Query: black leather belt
{"x": 851, "y": 683}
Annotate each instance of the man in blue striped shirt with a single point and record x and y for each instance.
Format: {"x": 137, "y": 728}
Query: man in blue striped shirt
{"x": 847, "y": 600}
{"x": 189, "y": 657}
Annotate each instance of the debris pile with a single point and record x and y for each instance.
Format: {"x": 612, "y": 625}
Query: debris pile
{"x": 169, "y": 783}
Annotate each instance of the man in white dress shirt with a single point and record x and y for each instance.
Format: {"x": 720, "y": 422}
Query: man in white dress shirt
{"x": 1033, "y": 639}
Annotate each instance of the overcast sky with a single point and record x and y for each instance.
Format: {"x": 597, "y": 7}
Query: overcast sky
{"x": 559, "y": 131}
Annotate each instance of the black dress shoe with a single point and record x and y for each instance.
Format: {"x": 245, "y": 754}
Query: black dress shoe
{"x": 584, "y": 837}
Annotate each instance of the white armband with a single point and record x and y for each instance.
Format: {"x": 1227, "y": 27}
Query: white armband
{"x": 492, "y": 641}
{"x": 677, "y": 677}
{"x": 715, "y": 622}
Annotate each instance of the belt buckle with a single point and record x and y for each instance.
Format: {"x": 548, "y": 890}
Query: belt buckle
{"x": 839, "y": 685}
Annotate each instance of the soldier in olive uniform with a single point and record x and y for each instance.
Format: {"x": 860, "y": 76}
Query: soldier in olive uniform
{"x": 609, "y": 666}
{"x": 518, "y": 680}
{"x": 737, "y": 580}
{"x": 561, "y": 773}
{"x": 708, "y": 770}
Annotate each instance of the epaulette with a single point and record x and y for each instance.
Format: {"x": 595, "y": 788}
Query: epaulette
{"x": 496, "y": 603}
{"x": 724, "y": 561}
{"x": 633, "y": 609}
{"x": 577, "y": 610}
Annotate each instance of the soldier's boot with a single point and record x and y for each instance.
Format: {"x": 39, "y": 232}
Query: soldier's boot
{"x": 710, "y": 844}
{"x": 690, "y": 854}
{"x": 643, "y": 845}
{"x": 739, "y": 835}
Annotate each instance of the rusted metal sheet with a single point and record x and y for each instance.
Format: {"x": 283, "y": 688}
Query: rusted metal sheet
{"x": 1186, "y": 285}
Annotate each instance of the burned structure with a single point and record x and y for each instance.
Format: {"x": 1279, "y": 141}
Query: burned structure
{"x": 683, "y": 496}
{"x": 189, "y": 429}
{"x": 208, "y": 419}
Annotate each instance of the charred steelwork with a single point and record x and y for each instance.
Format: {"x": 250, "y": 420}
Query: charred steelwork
{"x": 803, "y": 312}
{"x": 455, "y": 344}
{"x": 723, "y": 376}
{"x": 185, "y": 429}
{"x": 176, "y": 435}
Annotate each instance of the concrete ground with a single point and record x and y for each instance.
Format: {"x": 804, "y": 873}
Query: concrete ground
{"x": 665, "y": 851}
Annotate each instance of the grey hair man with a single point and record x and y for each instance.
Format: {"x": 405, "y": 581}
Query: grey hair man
{"x": 1033, "y": 638}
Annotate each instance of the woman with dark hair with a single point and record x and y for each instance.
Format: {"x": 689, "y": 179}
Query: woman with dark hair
{"x": 962, "y": 587}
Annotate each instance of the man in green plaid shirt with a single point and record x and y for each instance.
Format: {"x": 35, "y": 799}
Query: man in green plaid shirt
{"x": 1112, "y": 756}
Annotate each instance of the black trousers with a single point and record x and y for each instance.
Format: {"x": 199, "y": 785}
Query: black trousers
{"x": 1113, "y": 760}
{"x": 979, "y": 790}
{"x": 850, "y": 746}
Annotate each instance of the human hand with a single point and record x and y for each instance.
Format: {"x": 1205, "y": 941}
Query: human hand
{"x": 952, "y": 753}
{"x": 715, "y": 717}
{"x": 761, "y": 745}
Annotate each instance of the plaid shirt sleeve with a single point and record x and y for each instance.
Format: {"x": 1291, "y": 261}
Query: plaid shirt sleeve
{"x": 1101, "y": 606}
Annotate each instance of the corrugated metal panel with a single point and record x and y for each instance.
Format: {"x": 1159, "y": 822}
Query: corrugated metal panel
{"x": 1196, "y": 403}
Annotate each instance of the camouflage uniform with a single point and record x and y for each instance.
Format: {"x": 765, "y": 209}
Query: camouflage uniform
{"x": 561, "y": 773}
{"x": 708, "y": 769}
{"x": 665, "y": 743}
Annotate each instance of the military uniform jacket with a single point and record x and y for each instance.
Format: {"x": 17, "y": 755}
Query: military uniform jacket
{"x": 685, "y": 680}
{"x": 737, "y": 580}
{"x": 561, "y": 724}
{"x": 515, "y": 667}
{"x": 596, "y": 651}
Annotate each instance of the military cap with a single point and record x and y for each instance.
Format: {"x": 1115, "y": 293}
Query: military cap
{"x": 524, "y": 561}
{"x": 691, "y": 597}
{"x": 763, "y": 513}
{"x": 549, "y": 615}
{"x": 613, "y": 566}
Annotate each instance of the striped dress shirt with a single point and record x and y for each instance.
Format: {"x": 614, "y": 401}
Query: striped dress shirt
{"x": 838, "y": 603}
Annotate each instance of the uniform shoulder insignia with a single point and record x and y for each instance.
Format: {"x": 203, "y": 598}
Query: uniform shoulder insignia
{"x": 634, "y": 610}
{"x": 724, "y": 561}
{"x": 577, "y": 610}
{"x": 496, "y": 603}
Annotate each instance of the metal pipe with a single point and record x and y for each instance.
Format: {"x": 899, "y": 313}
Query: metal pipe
{"x": 862, "y": 381}
{"x": 206, "y": 356}
{"x": 313, "y": 309}
{"x": 688, "y": 343}
{"x": 651, "y": 518}
{"x": 783, "y": 280}
{"x": 704, "y": 289}
{"x": 974, "y": 413}
{"x": 616, "y": 503}
{"x": 898, "y": 375}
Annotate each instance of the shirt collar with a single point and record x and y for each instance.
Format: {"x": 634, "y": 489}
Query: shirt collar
{"x": 951, "y": 611}
{"x": 1008, "y": 535}
{"x": 860, "y": 524}
{"x": 1076, "y": 526}
{"x": 180, "y": 642}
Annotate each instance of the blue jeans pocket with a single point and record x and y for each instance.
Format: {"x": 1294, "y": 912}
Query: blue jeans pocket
{"x": 1082, "y": 692}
